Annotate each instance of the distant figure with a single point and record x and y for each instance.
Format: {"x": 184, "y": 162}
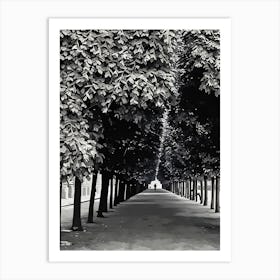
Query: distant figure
{"x": 155, "y": 185}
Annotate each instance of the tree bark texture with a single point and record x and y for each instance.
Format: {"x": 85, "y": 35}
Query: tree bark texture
{"x": 103, "y": 204}
{"x": 116, "y": 192}
{"x": 205, "y": 192}
{"x": 121, "y": 191}
{"x": 92, "y": 198}
{"x": 201, "y": 191}
{"x": 76, "y": 222}
{"x": 217, "y": 204}
{"x": 111, "y": 192}
{"x": 212, "y": 192}
{"x": 195, "y": 189}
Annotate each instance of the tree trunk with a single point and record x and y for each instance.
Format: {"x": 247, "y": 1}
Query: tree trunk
{"x": 111, "y": 193}
{"x": 60, "y": 208}
{"x": 188, "y": 188}
{"x": 138, "y": 186}
{"x": 143, "y": 187}
{"x": 76, "y": 222}
{"x": 103, "y": 207}
{"x": 121, "y": 191}
{"x": 92, "y": 198}
{"x": 116, "y": 192}
{"x": 205, "y": 192}
{"x": 201, "y": 191}
{"x": 192, "y": 190}
{"x": 212, "y": 192}
{"x": 195, "y": 189}
{"x": 60, "y": 199}
{"x": 217, "y": 204}
{"x": 134, "y": 189}
{"x": 127, "y": 191}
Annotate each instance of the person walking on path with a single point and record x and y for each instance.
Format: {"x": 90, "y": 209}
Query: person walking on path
{"x": 155, "y": 186}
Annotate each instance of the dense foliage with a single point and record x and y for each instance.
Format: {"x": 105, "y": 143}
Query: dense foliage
{"x": 114, "y": 81}
{"x": 192, "y": 143}
{"x": 200, "y": 56}
{"x": 115, "y": 88}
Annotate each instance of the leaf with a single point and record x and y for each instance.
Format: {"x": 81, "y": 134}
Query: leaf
{"x": 133, "y": 102}
{"x": 107, "y": 74}
{"x": 99, "y": 70}
{"x": 124, "y": 100}
{"x": 131, "y": 80}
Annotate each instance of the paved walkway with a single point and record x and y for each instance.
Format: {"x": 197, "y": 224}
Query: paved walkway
{"x": 151, "y": 220}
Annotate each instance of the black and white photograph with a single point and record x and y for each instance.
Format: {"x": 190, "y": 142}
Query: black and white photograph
{"x": 140, "y": 139}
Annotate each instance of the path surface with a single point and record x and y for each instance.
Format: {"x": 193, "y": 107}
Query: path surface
{"x": 151, "y": 220}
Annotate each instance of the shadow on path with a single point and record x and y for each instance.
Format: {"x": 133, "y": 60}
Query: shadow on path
{"x": 151, "y": 220}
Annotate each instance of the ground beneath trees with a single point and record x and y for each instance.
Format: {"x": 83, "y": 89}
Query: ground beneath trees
{"x": 151, "y": 220}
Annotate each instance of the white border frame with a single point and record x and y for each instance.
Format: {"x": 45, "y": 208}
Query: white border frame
{"x": 55, "y": 254}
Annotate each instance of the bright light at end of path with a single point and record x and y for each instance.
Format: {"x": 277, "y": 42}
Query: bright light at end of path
{"x": 156, "y": 184}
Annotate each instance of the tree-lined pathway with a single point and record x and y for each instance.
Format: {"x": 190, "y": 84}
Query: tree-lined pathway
{"x": 139, "y": 105}
{"x": 150, "y": 220}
